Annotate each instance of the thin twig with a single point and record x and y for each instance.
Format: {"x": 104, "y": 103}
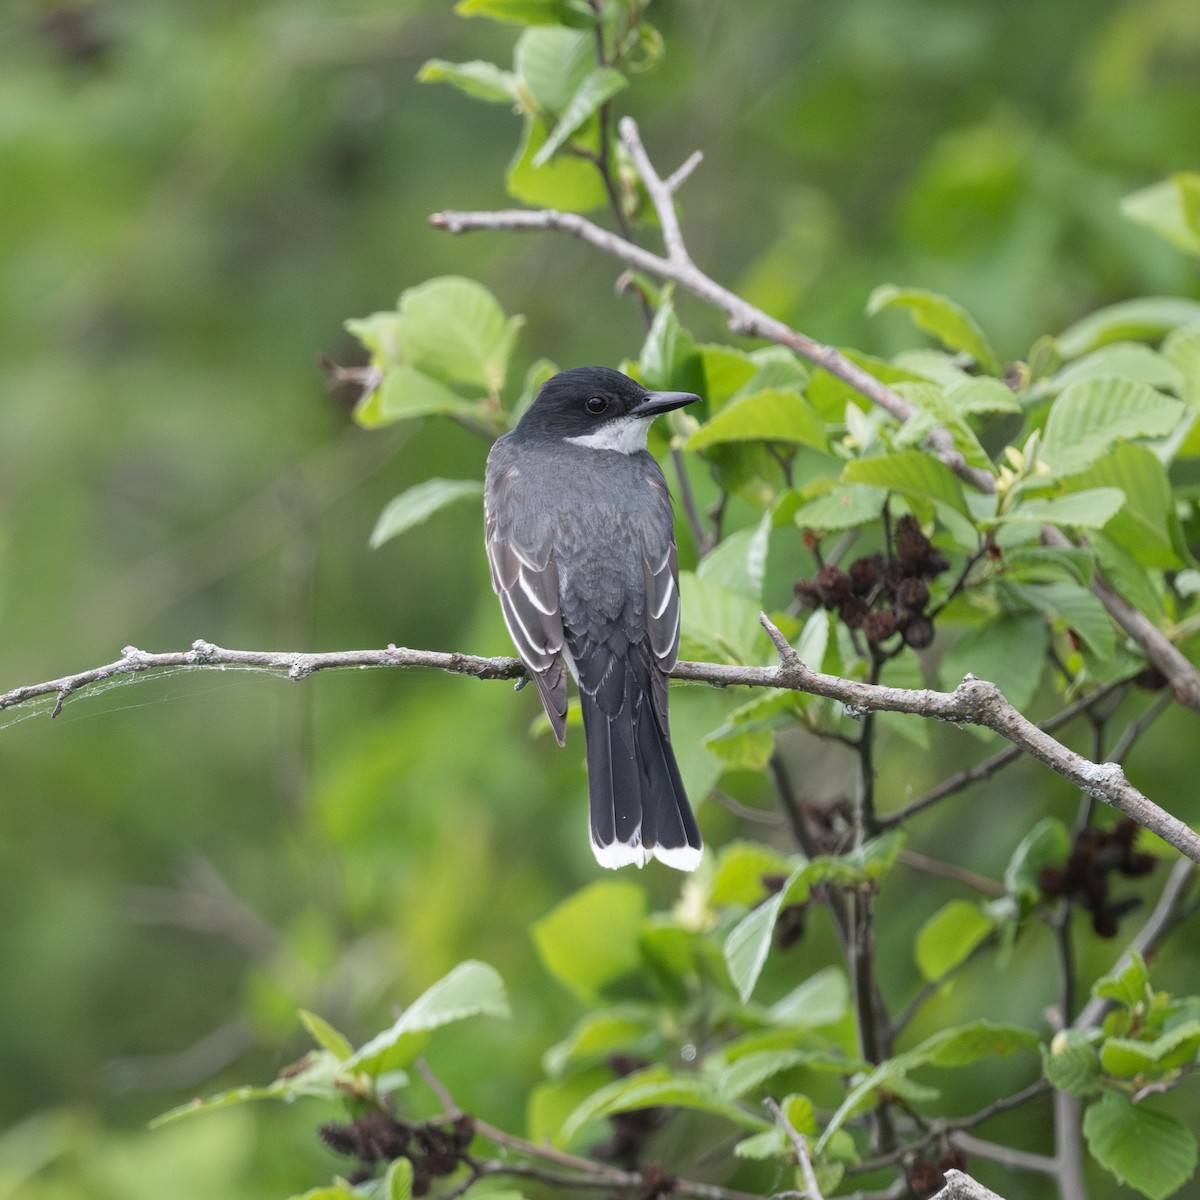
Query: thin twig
{"x": 1022, "y": 1160}
{"x": 800, "y": 1145}
{"x": 945, "y": 870}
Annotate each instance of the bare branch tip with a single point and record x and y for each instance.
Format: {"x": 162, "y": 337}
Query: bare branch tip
{"x": 786, "y": 651}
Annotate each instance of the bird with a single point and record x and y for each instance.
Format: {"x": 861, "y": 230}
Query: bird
{"x": 580, "y": 539}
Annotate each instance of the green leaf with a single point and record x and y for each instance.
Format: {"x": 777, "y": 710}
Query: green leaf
{"x": 668, "y": 358}
{"x": 1089, "y": 509}
{"x": 957, "y": 1047}
{"x": 1128, "y": 982}
{"x": 1126, "y": 360}
{"x": 1088, "y": 417}
{"x": 1077, "y": 607}
{"x": 600, "y": 86}
{"x": 740, "y": 868}
{"x": 752, "y": 1070}
{"x": 455, "y": 330}
{"x": 1048, "y": 843}
{"x": 405, "y": 394}
{"x": 481, "y": 80}
{"x": 933, "y": 408}
{"x": 952, "y": 325}
{"x": 821, "y": 999}
{"x": 743, "y": 749}
{"x": 949, "y": 937}
{"x": 381, "y": 335}
{"x": 657, "y": 1087}
{"x": 553, "y": 62}
{"x": 1127, "y": 1057}
{"x": 1146, "y": 526}
{"x": 1147, "y": 1150}
{"x": 595, "y": 1036}
{"x": 325, "y": 1035}
{"x": 591, "y": 939}
{"x": 1072, "y": 1064}
{"x": 912, "y": 473}
{"x": 472, "y": 989}
{"x": 398, "y": 1182}
{"x": 739, "y": 561}
{"x": 1170, "y": 209}
{"x": 1147, "y": 318}
{"x": 772, "y": 415}
{"x": 312, "y": 1077}
{"x": 1009, "y": 650}
{"x": 566, "y": 183}
{"x": 844, "y": 506}
{"x": 726, "y": 372}
{"x": 982, "y": 394}
{"x": 749, "y": 942}
{"x": 520, "y": 12}
{"x": 719, "y": 623}
{"x": 418, "y": 504}
{"x": 1182, "y": 350}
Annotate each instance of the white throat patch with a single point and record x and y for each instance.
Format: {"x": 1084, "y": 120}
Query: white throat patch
{"x": 626, "y": 435}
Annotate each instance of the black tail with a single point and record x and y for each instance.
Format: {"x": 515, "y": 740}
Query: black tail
{"x": 639, "y": 809}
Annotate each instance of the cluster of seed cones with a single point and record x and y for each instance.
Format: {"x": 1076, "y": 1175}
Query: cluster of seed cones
{"x": 882, "y": 595}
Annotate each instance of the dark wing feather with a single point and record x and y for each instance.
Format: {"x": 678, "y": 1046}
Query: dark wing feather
{"x": 662, "y": 610}
{"x": 525, "y": 577}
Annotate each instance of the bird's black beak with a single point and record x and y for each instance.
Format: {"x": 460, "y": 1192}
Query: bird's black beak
{"x": 661, "y": 402}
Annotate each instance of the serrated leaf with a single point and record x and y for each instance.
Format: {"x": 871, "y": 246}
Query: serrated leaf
{"x": 472, "y": 989}
{"x": 1169, "y": 209}
{"x": 982, "y": 394}
{"x": 418, "y": 504}
{"x": 951, "y": 324}
{"x": 949, "y": 937}
{"x": 600, "y": 86}
{"x": 726, "y": 371}
{"x": 1047, "y": 843}
{"x": 1147, "y": 318}
{"x": 844, "y": 506}
{"x": 1009, "y": 651}
{"x": 1072, "y": 1064}
{"x": 771, "y": 415}
{"x": 1147, "y": 1150}
{"x": 912, "y": 473}
{"x": 325, "y": 1035}
{"x": 742, "y": 749}
{"x": 591, "y": 939}
{"x": 1092, "y": 508}
{"x": 1088, "y": 417}
{"x": 520, "y": 12}
{"x": 455, "y": 330}
{"x": 478, "y": 79}
{"x": 657, "y": 1087}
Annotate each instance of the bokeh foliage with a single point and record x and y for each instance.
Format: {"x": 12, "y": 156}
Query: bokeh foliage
{"x": 194, "y": 200}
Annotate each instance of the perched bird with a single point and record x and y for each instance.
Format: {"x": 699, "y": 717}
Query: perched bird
{"x": 581, "y": 544}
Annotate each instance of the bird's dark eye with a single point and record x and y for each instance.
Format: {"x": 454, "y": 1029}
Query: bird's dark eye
{"x": 596, "y": 405}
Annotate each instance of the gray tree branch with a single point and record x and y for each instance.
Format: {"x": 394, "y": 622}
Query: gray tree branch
{"x": 973, "y": 702}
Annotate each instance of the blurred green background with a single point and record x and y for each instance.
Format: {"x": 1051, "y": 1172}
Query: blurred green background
{"x": 193, "y": 197}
